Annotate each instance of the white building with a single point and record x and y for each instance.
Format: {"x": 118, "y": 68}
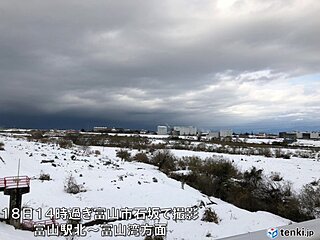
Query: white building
{"x": 162, "y": 130}
{"x": 100, "y": 129}
{"x": 213, "y": 135}
{"x": 299, "y": 135}
{"x": 226, "y": 133}
{"x": 314, "y": 135}
{"x": 304, "y": 135}
{"x": 185, "y": 130}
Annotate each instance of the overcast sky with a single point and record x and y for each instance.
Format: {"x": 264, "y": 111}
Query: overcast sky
{"x": 245, "y": 64}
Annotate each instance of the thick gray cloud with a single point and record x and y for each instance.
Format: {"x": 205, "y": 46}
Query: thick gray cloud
{"x": 209, "y": 63}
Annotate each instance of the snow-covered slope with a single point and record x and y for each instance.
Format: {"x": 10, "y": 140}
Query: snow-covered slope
{"x": 109, "y": 183}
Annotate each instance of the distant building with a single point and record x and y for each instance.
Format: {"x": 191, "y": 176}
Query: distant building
{"x": 306, "y": 135}
{"x": 261, "y": 135}
{"x": 314, "y": 135}
{"x": 213, "y": 135}
{"x": 226, "y": 133}
{"x": 288, "y": 135}
{"x": 114, "y": 130}
{"x": 299, "y": 135}
{"x": 162, "y": 130}
{"x": 72, "y": 131}
{"x": 101, "y": 129}
{"x": 142, "y": 131}
{"x": 185, "y": 130}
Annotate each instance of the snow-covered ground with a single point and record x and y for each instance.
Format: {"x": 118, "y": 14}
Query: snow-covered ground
{"x": 307, "y": 142}
{"x": 110, "y": 182}
{"x": 261, "y": 140}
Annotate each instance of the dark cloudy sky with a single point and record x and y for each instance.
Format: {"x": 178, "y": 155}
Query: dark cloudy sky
{"x": 250, "y": 64}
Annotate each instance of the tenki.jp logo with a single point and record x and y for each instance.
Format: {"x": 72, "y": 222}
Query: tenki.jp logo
{"x": 272, "y": 233}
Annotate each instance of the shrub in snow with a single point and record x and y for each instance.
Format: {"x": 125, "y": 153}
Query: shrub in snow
{"x": 44, "y": 176}
{"x": 278, "y": 153}
{"x": 201, "y": 147}
{"x": 223, "y": 173}
{"x": 71, "y": 185}
{"x": 213, "y": 176}
{"x": 276, "y": 177}
{"x": 181, "y": 164}
{"x": 193, "y": 163}
{"x": 210, "y": 215}
{"x": 310, "y": 199}
{"x": 123, "y": 155}
{"x": 64, "y": 143}
{"x": 165, "y": 160}
{"x": 46, "y": 140}
{"x": 266, "y": 152}
{"x": 303, "y": 154}
{"x": 141, "y": 157}
{"x": 1, "y": 146}
{"x": 259, "y": 193}
{"x": 286, "y": 156}
{"x": 85, "y": 149}
{"x": 36, "y": 135}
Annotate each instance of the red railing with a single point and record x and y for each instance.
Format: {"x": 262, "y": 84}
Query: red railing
{"x": 15, "y": 182}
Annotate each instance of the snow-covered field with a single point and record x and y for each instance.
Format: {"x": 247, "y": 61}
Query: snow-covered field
{"x": 261, "y": 140}
{"x": 299, "y": 142}
{"x": 307, "y": 142}
{"x": 110, "y": 182}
